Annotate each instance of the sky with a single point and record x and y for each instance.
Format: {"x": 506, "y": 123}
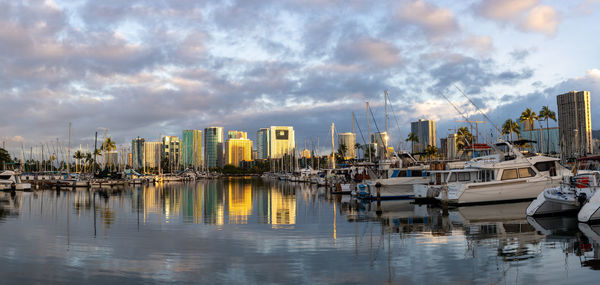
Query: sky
{"x": 151, "y": 68}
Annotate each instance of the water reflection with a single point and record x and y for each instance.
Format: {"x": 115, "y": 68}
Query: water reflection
{"x": 235, "y": 230}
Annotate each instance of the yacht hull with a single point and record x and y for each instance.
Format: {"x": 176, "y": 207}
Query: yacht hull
{"x": 519, "y": 190}
{"x": 544, "y": 205}
{"x": 590, "y": 212}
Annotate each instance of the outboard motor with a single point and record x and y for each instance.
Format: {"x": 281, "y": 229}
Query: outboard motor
{"x": 581, "y": 199}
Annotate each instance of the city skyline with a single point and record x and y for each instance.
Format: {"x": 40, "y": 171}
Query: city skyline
{"x": 123, "y": 70}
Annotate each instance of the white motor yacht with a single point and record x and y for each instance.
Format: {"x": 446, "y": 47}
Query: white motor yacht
{"x": 507, "y": 176}
{"x": 12, "y": 180}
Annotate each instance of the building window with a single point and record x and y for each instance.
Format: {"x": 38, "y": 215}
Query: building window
{"x": 508, "y": 174}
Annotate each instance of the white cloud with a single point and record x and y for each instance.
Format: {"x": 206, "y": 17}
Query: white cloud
{"x": 542, "y": 19}
{"x": 480, "y": 44}
{"x": 526, "y": 15}
{"x": 435, "y": 21}
{"x": 504, "y": 10}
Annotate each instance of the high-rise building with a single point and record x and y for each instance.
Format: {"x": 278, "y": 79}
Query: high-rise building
{"x": 172, "y": 151}
{"x": 381, "y": 142}
{"x": 451, "y": 147}
{"x": 236, "y": 135}
{"x": 191, "y": 149}
{"x": 152, "y": 154}
{"x": 425, "y": 131}
{"x": 238, "y": 148}
{"x": 137, "y": 152}
{"x": 129, "y": 160}
{"x": 349, "y": 140}
{"x": 213, "y": 147}
{"x": 305, "y": 153}
{"x": 262, "y": 143}
{"x": 574, "y": 123}
{"x": 281, "y": 141}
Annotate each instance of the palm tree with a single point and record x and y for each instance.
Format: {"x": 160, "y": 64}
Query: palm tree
{"x": 108, "y": 146}
{"x": 430, "y": 151}
{"x": 530, "y": 117}
{"x": 368, "y": 150}
{"x": 77, "y": 156}
{"x": 463, "y": 137}
{"x": 357, "y": 148}
{"x": 546, "y": 114}
{"x": 342, "y": 149}
{"x": 412, "y": 138}
{"x": 510, "y": 127}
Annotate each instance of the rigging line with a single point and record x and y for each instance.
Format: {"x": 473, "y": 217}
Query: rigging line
{"x": 395, "y": 116}
{"x": 479, "y": 110}
{"x": 378, "y": 131}
{"x": 359, "y": 130}
{"x": 460, "y": 113}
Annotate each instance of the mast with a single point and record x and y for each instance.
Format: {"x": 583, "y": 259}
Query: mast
{"x": 332, "y": 146}
{"x": 69, "y": 151}
{"x": 95, "y": 150}
{"x": 368, "y": 132}
{"x": 386, "y": 111}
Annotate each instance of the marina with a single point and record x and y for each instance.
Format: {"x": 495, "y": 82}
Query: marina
{"x": 254, "y": 230}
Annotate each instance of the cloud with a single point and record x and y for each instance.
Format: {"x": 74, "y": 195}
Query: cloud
{"x": 480, "y": 44}
{"x": 367, "y": 50}
{"x": 542, "y": 19}
{"x": 474, "y": 75}
{"x": 526, "y": 15}
{"x": 504, "y": 10}
{"x": 434, "y": 21}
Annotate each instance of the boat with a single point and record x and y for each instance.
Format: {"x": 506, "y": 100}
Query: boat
{"x": 10, "y": 180}
{"x": 508, "y": 175}
{"x": 574, "y": 193}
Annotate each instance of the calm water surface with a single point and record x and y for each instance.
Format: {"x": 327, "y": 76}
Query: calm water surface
{"x": 253, "y": 231}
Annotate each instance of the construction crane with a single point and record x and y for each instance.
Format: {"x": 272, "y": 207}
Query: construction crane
{"x": 476, "y": 127}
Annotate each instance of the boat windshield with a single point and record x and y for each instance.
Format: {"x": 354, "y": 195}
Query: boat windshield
{"x": 5, "y": 177}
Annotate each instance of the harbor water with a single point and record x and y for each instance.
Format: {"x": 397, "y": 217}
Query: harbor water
{"x": 253, "y": 231}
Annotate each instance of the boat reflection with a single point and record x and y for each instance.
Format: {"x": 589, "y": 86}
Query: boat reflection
{"x": 503, "y": 226}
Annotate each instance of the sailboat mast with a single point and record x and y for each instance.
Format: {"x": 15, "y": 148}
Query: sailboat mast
{"x": 368, "y": 131}
{"x": 332, "y": 147}
{"x": 69, "y": 151}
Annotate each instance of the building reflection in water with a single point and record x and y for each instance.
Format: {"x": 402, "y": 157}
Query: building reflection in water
{"x": 213, "y": 209}
{"x": 240, "y": 202}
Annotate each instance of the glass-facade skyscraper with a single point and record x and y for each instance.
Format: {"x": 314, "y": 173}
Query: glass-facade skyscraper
{"x": 137, "y": 153}
{"x": 262, "y": 143}
{"x": 213, "y": 147}
{"x": 191, "y": 148}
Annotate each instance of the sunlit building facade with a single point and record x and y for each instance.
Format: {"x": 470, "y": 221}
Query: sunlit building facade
{"x": 137, "y": 153}
{"x": 262, "y": 143}
{"x": 191, "y": 148}
{"x": 152, "y": 154}
{"x": 381, "y": 143}
{"x": 305, "y": 153}
{"x": 237, "y": 148}
{"x": 574, "y": 123}
{"x": 172, "y": 151}
{"x": 213, "y": 147}
{"x": 349, "y": 140}
{"x": 425, "y": 131}
{"x": 281, "y": 141}
{"x": 231, "y": 134}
